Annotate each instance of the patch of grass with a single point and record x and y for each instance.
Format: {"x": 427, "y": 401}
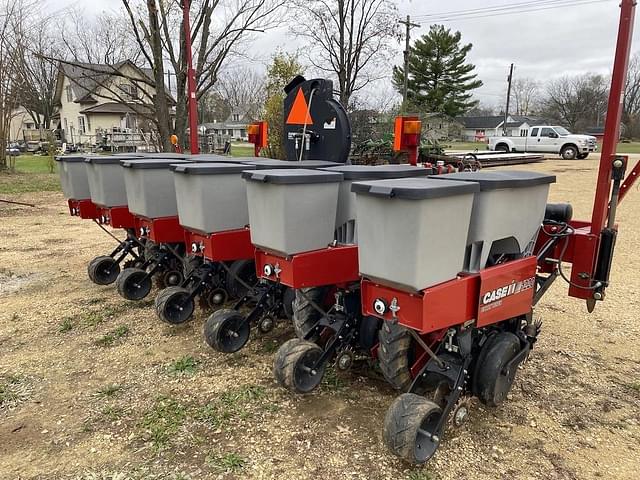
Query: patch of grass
{"x": 270, "y": 346}
{"x": 108, "y": 390}
{"x": 110, "y": 338}
{"x": 226, "y": 463}
{"x": 33, "y": 164}
{"x": 186, "y": 365}
{"x": 230, "y": 405}
{"x": 241, "y": 150}
{"x": 14, "y": 389}
{"x": 332, "y": 381}
{"x": 113, "y": 413}
{"x": 421, "y": 475}
{"x": 163, "y": 420}
{"x": 13, "y": 183}
{"x": 66, "y": 325}
{"x": 96, "y": 317}
{"x": 635, "y": 386}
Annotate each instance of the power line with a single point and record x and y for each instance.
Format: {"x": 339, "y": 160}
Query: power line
{"x": 448, "y": 16}
{"x": 513, "y": 6}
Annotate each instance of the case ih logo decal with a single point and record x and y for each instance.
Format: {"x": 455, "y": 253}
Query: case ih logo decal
{"x": 493, "y": 298}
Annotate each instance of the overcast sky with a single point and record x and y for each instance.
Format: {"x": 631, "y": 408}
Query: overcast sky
{"x": 542, "y": 44}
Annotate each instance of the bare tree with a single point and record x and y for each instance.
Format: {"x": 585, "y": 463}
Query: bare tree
{"x": 348, "y": 39}
{"x": 525, "y": 94}
{"x": 105, "y": 38}
{"x": 242, "y": 88}
{"x": 631, "y": 113}
{"x": 12, "y": 31}
{"x": 576, "y": 102}
{"x": 213, "y": 41}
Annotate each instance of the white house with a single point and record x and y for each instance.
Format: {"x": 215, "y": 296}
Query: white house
{"x": 23, "y": 128}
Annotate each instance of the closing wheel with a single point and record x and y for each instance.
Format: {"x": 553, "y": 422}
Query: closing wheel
{"x": 213, "y": 298}
{"x": 226, "y": 331}
{"x": 172, "y": 278}
{"x": 103, "y": 270}
{"x": 266, "y": 324}
{"x": 491, "y": 382}
{"x": 410, "y": 428}
{"x": 133, "y": 284}
{"x": 244, "y": 270}
{"x": 174, "y": 305}
{"x": 294, "y": 366}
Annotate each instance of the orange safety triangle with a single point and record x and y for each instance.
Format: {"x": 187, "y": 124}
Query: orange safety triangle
{"x": 299, "y": 114}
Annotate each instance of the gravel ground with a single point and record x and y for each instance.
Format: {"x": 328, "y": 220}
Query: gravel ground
{"x": 93, "y": 387}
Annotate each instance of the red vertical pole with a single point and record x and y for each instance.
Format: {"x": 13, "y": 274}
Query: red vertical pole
{"x": 192, "y": 105}
{"x": 614, "y": 114}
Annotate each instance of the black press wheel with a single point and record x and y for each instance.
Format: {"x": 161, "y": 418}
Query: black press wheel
{"x": 174, "y": 305}
{"x": 226, "y": 331}
{"x": 133, "y": 284}
{"x": 103, "y": 270}
{"x": 410, "y": 428}
{"x": 244, "y": 270}
{"x": 295, "y": 366}
{"x": 172, "y": 278}
{"x": 491, "y": 382}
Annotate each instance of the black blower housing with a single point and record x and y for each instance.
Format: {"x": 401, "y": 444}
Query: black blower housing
{"x": 327, "y": 136}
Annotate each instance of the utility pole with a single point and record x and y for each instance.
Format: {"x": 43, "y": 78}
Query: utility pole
{"x": 506, "y": 110}
{"x": 407, "y": 23}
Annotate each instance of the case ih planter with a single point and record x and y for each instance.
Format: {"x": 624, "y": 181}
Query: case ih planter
{"x": 75, "y": 186}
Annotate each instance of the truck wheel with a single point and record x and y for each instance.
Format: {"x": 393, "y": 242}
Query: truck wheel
{"x": 502, "y": 147}
{"x": 569, "y": 152}
{"x": 582, "y": 156}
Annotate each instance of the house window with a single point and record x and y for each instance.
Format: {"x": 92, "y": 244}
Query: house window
{"x": 69, "y": 93}
{"x": 81, "y": 126}
{"x": 129, "y": 90}
{"x": 30, "y": 126}
{"x": 236, "y": 117}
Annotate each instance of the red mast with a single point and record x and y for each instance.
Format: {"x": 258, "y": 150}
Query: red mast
{"x": 192, "y": 104}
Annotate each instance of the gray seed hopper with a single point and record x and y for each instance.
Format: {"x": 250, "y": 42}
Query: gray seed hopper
{"x": 150, "y": 189}
{"x": 73, "y": 177}
{"x": 292, "y": 210}
{"x": 106, "y": 180}
{"x": 346, "y": 217}
{"x": 507, "y": 213}
{"x": 211, "y": 197}
{"x": 412, "y": 231}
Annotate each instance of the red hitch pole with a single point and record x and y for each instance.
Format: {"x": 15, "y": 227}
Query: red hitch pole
{"x": 614, "y": 114}
{"x": 192, "y": 105}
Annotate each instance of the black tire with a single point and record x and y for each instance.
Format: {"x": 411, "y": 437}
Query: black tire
{"x": 582, "y": 156}
{"x": 226, "y": 331}
{"x": 103, "y": 270}
{"x": 173, "y": 305}
{"x": 569, "y": 152}
{"x": 305, "y": 315}
{"x": 369, "y": 332}
{"x": 246, "y": 271}
{"x": 291, "y": 366}
{"x": 489, "y": 383}
{"x": 190, "y": 264}
{"x": 502, "y": 147}
{"x": 394, "y": 355}
{"x": 171, "y": 278}
{"x": 288, "y": 296}
{"x": 213, "y": 298}
{"x": 409, "y": 428}
{"x": 133, "y": 284}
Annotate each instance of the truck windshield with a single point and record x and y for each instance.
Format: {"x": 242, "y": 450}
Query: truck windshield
{"x": 561, "y": 130}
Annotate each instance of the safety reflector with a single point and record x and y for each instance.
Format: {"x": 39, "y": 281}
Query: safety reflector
{"x": 299, "y": 114}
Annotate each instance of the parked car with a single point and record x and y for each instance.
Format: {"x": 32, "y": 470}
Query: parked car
{"x": 13, "y": 150}
{"x": 547, "y": 139}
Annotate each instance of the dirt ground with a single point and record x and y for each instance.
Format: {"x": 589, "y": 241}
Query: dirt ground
{"x": 93, "y": 387}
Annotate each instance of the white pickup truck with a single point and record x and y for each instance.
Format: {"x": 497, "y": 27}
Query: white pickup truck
{"x": 547, "y": 139}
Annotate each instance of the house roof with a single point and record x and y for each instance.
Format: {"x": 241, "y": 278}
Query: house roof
{"x": 116, "y": 108}
{"x": 87, "y": 77}
{"x": 481, "y": 121}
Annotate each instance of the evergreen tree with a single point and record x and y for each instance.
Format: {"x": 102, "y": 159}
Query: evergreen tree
{"x": 440, "y": 79}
